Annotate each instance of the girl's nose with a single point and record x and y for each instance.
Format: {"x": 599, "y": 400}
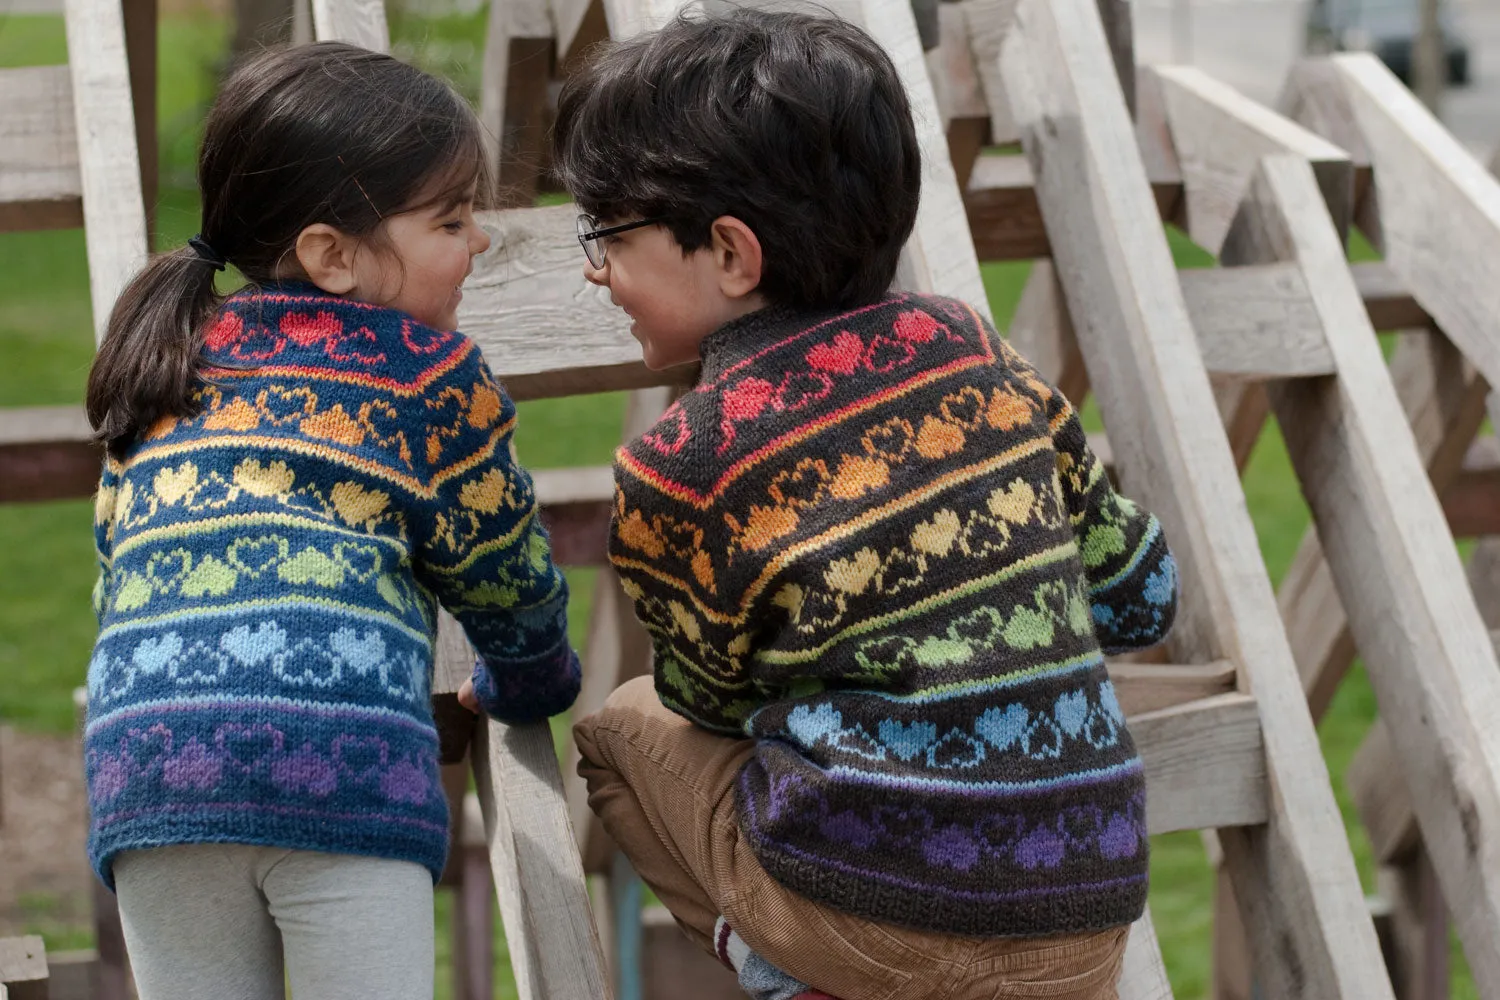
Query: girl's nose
{"x": 596, "y": 275}
{"x": 480, "y": 243}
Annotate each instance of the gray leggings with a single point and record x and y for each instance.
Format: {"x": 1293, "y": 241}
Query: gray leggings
{"x": 235, "y": 922}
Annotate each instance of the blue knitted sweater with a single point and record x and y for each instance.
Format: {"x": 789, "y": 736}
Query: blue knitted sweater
{"x": 271, "y": 570}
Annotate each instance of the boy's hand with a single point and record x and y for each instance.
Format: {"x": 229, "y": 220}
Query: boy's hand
{"x": 467, "y": 698}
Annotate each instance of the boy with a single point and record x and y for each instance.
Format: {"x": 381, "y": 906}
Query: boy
{"x": 878, "y": 563}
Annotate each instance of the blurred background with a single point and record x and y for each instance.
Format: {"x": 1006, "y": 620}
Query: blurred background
{"x": 46, "y": 561}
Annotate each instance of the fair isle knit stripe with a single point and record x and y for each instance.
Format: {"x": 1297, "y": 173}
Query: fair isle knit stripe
{"x": 192, "y": 808}
{"x": 1147, "y": 539}
{"x": 790, "y": 554}
{"x": 979, "y": 685}
{"x": 362, "y": 380}
{"x": 336, "y": 609}
{"x": 331, "y": 452}
{"x": 1073, "y": 779}
{"x": 323, "y": 710}
{"x": 499, "y": 542}
{"x": 211, "y": 525}
{"x": 1045, "y": 557}
{"x": 701, "y": 501}
{"x": 936, "y": 888}
{"x": 840, "y": 320}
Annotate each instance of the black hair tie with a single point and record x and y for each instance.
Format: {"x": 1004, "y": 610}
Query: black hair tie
{"x": 207, "y": 253}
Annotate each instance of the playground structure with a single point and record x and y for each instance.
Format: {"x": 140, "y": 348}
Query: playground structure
{"x": 1224, "y": 715}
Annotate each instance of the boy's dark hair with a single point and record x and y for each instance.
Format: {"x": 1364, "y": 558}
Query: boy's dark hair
{"x": 795, "y": 124}
{"x": 329, "y": 133}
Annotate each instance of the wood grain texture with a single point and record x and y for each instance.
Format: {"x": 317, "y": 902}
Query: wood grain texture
{"x": 40, "y": 186}
{"x": 23, "y": 967}
{"x": 544, "y": 902}
{"x": 1437, "y": 223}
{"x": 1425, "y": 647}
{"x": 1205, "y": 764}
{"x": 114, "y": 212}
{"x": 46, "y": 453}
{"x": 1220, "y": 135}
{"x": 1144, "y": 975}
{"x": 1310, "y": 933}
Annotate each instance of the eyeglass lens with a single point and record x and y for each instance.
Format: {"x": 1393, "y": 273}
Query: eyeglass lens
{"x": 592, "y": 248}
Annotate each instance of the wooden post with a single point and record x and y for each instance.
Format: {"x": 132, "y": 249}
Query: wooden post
{"x": 140, "y": 18}
{"x": 23, "y": 968}
{"x": 1429, "y": 65}
{"x": 1295, "y": 879}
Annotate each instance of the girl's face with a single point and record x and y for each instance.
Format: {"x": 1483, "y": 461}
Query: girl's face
{"x": 431, "y": 252}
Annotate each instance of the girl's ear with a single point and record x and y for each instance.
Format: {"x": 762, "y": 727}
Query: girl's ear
{"x": 737, "y": 256}
{"x": 327, "y": 258}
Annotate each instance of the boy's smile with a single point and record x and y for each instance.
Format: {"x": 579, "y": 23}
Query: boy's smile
{"x": 675, "y": 299}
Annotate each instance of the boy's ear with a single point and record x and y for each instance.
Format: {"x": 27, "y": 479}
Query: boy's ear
{"x": 737, "y": 256}
{"x": 327, "y": 258}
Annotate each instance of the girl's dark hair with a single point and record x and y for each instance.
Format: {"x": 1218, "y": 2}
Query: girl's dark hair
{"x": 798, "y": 125}
{"x": 328, "y": 133}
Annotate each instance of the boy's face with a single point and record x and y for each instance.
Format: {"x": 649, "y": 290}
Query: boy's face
{"x": 673, "y": 299}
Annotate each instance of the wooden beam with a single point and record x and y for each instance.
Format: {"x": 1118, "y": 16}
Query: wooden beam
{"x": 1255, "y": 323}
{"x": 141, "y": 25}
{"x": 516, "y": 72}
{"x": 1205, "y": 764}
{"x": 109, "y": 166}
{"x": 23, "y": 967}
{"x": 40, "y": 187}
{"x": 579, "y": 25}
{"x": 47, "y": 453}
{"x": 955, "y": 81}
{"x": 1425, "y": 647}
{"x": 544, "y": 902}
{"x": 1437, "y": 222}
{"x": 1144, "y": 974}
{"x": 1472, "y": 501}
{"x": 1311, "y": 935}
{"x": 1220, "y": 135}
{"x": 1148, "y": 687}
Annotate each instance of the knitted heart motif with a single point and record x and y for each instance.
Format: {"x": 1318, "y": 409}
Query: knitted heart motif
{"x": 842, "y": 356}
{"x": 253, "y": 556}
{"x": 361, "y": 345}
{"x": 1072, "y": 712}
{"x": 225, "y": 331}
{"x": 916, "y": 327}
{"x": 305, "y": 329}
{"x": 1002, "y": 728}
{"x": 886, "y": 355}
{"x": 799, "y": 389}
{"x": 246, "y": 747}
{"x": 956, "y": 751}
{"x": 144, "y": 749}
{"x": 810, "y": 725}
{"x": 906, "y": 741}
{"x": 363, "y": 654}
{"x": 153, "y": 655}
{"x": 251, "y": 649}
{"x": 421, "y": 339}
{"x": 362, "y": 757}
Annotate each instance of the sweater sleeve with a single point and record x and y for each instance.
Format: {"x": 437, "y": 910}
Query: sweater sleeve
{"x": 1132, "y": 577}
{"x": 482, "y": 550}
{"x": 104, "y": 529}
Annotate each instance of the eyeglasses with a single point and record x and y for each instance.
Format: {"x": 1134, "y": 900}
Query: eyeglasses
{"x": 592, "y": 237}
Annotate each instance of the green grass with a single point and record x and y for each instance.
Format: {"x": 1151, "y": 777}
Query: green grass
{"x": 46, "y": 570}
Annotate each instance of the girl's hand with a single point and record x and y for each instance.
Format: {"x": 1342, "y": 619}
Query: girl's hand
{"x": 467, "y": 698}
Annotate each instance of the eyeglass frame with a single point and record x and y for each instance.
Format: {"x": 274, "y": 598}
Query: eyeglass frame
{"x": 585, "y": 237}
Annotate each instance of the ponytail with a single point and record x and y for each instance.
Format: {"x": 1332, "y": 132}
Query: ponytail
{"x": 147, "y": 367}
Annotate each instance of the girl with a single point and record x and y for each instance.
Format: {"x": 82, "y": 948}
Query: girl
{"x": 297, "y": 476}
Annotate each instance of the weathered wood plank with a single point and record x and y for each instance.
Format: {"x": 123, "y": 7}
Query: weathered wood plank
{"x": 513, "y": 95}
{"x": 40, "y": 186}
{"x": 109, "y": 167}
{"x": 1437, "y": 222}
{"x": 1255, "y": 323}
{"x": 955, "y": 82}
{"x": 46, "y": 453}
{"x": 1144, "y": 975}
{"x": 544, "y": 903}
{"x": 1310, "y": 934}
{"x": 23, "y": 967}
{"x": 1205, "y": 764}
{"x": 358, "y": 22}
{"x": 1443, "y": 400}
{"x": 1149, "y": 687}
{"x": 1386, "y": 299}
{"x": 544, "y": 329}
{"x": 1425, "y": 647}
{"x": 1472, "y": 501}
{"x": 1417, "y": 927}
{"x": 1220, "y": 135}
